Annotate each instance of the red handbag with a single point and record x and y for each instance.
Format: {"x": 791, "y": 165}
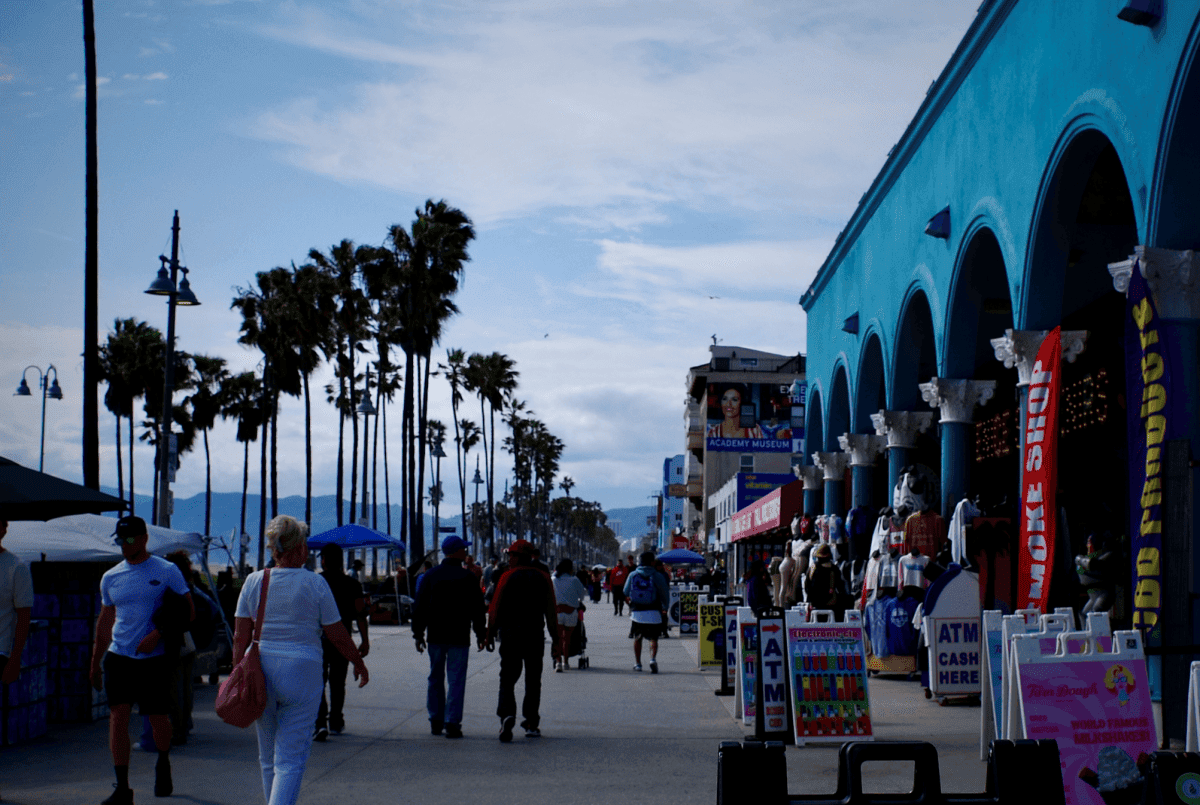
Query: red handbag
{"x": 242, "y": 697}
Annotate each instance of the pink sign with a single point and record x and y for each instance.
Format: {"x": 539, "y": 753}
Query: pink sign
{"x": 1097, "y": 707}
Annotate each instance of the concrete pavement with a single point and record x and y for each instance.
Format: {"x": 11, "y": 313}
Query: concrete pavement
{"x": 609, "y": 735}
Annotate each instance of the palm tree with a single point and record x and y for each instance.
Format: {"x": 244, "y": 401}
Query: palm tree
{"x": 242, "y": 393}
{"x": 491, "y": 377}
{"x": 128, "y": 363}
{"x": 313, "y": 339}
{"x": 350, "y": 318}
{"x": 452, "y": 370}
{"x": 206, "y": 403}
{"x": 467, "y": 436}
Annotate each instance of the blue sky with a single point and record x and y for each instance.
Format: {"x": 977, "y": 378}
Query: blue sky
{"x": 642, "y": 176}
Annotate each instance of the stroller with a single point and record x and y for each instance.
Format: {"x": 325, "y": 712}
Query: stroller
{"x": 578, "y": 646}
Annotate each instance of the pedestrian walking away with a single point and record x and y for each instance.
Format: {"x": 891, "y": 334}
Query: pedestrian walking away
{"x": 138, "y": 619}
{"x": 16, "y": 605}
{"x": 648, "y": 595}
{"x": 299, "y": 608}
{"x": 352, "y": 608}
{"x": 523, "y": 602}
{"x": 616, "y": 580}
{"x": 569, "y": 592}
{"x": 449, "y": 606}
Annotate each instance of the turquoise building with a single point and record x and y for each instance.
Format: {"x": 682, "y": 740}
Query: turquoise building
{"x": 1060, "y": 143}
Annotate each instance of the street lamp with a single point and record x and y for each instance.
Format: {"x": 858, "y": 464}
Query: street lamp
{"x": 53, "y": 392}
{"x": 435, "y": 494}
{"x": 478, "y": 481}
{"x": 367, "y": 410}
{"x": 177, "y": 295}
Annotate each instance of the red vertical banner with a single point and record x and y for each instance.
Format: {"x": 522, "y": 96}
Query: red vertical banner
{"x": 1039, "y": 475}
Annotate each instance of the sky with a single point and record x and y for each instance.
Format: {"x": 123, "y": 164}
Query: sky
{"x": 642, "y": 177}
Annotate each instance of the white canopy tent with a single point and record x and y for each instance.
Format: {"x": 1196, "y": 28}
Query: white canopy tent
{"x": 87, "y": 538}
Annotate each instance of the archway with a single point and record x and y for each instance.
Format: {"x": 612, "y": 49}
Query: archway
{"x": 1176, "y": 219}
{"x": 914, "y": 362}
{"x": 871, "y": 398}
{"x": 1086, "y": 221}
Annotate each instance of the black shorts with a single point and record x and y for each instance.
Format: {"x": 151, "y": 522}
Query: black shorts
{"x": 144, "y": 682}
{"x": 619, "y": 593}
{"x": 650, "y": 631}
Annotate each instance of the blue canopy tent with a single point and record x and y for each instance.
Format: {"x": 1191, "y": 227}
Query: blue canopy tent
{"x": 354, "y": 535}
{"x": 681, "y": 556}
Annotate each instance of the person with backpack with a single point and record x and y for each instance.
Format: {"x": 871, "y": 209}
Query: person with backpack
{"x": 648, "y": 596}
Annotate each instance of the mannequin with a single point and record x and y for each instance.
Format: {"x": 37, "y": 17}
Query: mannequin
{"x": 787, "y": 576}
{"x": 1097, "y": 574}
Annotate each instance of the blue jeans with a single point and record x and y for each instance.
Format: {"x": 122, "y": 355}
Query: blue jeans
{"x": 285, "y": 728}
{"x": 447, "y": 664}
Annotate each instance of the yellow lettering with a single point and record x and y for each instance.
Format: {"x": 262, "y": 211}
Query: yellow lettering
{"x": 1156, "y": 427}
{"x": 1149, "y": 526}
{"x": 1152, "y": 493}
{"x": 1144, "y": 620}
{"x": 1154, "y": 399}
{"x": 1148, "y": 562}
{"x": 1142, "y": 314}
{"x": 1152, "y": 367}
{"x": 1152, "y": 465}
{"x": 1148, "y": 594}
{"x": 1148, "y": 338}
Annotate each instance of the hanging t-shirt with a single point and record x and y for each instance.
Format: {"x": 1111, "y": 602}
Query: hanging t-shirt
{"x": 964, "y": 513}
{"x": 926, "y": 532}
{"x": 889, "y": 572}
{"x": 858, "y": 526}
{"x": 879, "y": 536}
{"x": 901, "y": 636}
{"x": 912, "y": 570}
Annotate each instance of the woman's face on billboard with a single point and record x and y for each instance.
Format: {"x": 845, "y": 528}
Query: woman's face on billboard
{"x": 731, "y": 404}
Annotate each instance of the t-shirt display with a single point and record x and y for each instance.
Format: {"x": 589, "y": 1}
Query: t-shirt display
{"x": 925, "y": 532}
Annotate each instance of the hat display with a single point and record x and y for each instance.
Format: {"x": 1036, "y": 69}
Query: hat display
{"x": 454, "y": 544}
{"x": 523, "y": 546}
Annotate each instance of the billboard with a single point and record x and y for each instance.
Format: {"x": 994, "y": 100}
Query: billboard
{"x": 754, "y": 418}
{"x": 754, "y": 485}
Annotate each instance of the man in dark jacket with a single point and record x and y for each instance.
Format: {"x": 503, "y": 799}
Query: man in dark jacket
{"x": 524, "y": 600}
{"x": 352, "y": 607}
{"x": 449, "y": 605}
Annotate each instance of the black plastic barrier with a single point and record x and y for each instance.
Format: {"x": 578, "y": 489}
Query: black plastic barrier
{"x": 1173, "y": 779}
{"x": 1019, "y": 773}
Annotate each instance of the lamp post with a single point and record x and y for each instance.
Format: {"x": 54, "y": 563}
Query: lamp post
{"x": 478, "y": 481}
{"x": 54, "y": 392}
{"x": 177, "y": 295}
{"x": 367, "y": 409}
{"x": 435, "y": 493}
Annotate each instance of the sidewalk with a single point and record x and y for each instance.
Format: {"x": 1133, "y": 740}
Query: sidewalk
{"x": 609, "y": 734}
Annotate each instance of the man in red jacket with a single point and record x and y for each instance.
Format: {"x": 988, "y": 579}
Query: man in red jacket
{"x": 616, "y": 582}
{"x": 523, "y": 601}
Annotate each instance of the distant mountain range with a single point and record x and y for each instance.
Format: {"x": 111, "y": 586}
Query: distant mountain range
{"x": 226, "y": 512}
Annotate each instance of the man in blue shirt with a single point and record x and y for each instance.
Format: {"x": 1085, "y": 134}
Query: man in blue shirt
{"x": 649, "y": 596}
{"x": 131, "y": 652}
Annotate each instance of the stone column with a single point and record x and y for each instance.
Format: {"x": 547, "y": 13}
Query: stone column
{"x": 900, "y": 428}
{"x": 862, "y": 448}
{"x": 813, "y": 488}
{"x": 833, "y": 465}
{"x": 956, "y": 400}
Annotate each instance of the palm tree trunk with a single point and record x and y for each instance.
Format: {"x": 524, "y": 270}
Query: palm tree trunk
{"x": 353, "y": 453}
{"x": 245, "y": 492}
{"x": 422, "y": 437}
{"x": 487, "y": 474}
{"x": 120, "y": 469}
{"x": 132, "y": 506}
{"x": 387, "y": 496}
{"x": 154, "y": 497}
{"x": 416, "y": 537}
{"x": 375, "y": 460}
{"x": 262, "y": 467}
{"x": 275, "y": 454}
{"x": 491, "y": 491}
{"x": 341, "y": 480}
{"x": 307, "y": 452}
{"x": 207, "y": 487}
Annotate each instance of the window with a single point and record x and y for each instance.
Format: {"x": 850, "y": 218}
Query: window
{"x": 747, "y": 462}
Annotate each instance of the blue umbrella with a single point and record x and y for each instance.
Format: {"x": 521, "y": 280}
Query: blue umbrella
{"x": 355, "y": 536}
{"x": 681, "y": 556}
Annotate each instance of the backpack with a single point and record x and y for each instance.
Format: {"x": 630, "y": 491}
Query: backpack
{"x": 642, "y": 592}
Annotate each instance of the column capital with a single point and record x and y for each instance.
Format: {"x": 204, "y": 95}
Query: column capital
{"x": 862, "y": 447}
{"x": 956, "y": 398}
{"x": 810, "y": 475}
{"x": 1171, "y": 276}
{"x": 1018, "y": 348}
{"x": 832, "y": 464}
{"x": 901, "y": 427}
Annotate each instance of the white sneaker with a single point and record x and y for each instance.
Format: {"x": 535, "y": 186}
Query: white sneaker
{"x": 654, "y": 666}
{"x": 637, "y": 667}
{"x": 558, "y": 667}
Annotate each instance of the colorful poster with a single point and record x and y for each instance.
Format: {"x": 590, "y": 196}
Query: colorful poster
{"x": 827, "y": 665}
{"x": 712, "y": 635}
{"x": 1153, "y": 419}
{"x": 689, "y": 602}
{"x": 1096, "y": 705}
{"x": 955, "y": 656}
{"x": 993, "y": 678}
{"x": 747, "y": 661}
{"x": 751, "y": 418}
{"x": 1039, "y": 475}
{"x": 732, "y": 646}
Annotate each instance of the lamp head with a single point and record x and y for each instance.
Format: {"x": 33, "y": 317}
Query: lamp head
{"x": 365, "y": 407}
{"x": 162, "y": 285}
{"x": 55, "y": 391}
{"x": 186, "y": 298}
{"x": 23, "y": 390}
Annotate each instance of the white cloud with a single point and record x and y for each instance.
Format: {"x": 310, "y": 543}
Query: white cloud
{"x": 160, "y": 76}
{"x": 606, "y": 112}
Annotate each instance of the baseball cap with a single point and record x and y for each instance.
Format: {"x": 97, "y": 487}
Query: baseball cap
{"x": 129, "y": 526}
{"x": 523, "y": 546}
{"x": 453, "y": 544}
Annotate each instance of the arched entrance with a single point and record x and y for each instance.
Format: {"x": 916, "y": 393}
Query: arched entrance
{"x": 1085, "y": 221}
{"x": 871, "y": 398}
{"x": 914, "y": 362}
{"x": 836, "y": 495}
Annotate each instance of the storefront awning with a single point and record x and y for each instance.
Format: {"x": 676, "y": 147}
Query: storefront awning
{"x": 773, "y": 510}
